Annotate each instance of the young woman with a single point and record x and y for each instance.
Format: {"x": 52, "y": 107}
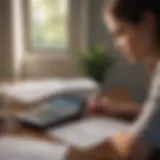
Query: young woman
{"x": 135, "y": 25}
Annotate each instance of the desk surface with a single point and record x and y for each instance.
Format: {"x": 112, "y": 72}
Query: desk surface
{"x": 102, "y": 152}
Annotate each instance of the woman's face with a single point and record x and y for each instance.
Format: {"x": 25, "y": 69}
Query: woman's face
{"x": 134, "y": 40}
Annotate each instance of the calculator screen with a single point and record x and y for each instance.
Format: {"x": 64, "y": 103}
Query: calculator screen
{"x": 68, "y": 102}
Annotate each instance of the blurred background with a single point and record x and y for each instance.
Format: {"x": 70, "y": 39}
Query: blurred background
{"x": 48, "y": 38}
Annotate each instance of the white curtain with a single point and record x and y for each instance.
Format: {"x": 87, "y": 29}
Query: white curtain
{"x": 17, "y": 38}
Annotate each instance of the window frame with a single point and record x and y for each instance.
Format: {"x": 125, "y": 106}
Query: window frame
{"x": 27, "y": 35}
{"x": 77, "y": 32}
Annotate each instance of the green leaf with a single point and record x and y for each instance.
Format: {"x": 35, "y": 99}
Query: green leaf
{"x": 96, "y": 61}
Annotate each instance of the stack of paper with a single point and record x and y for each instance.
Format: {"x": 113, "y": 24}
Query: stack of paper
{"x": 34, "y": 91}
{"x": 89, "y": 132}
{"x": 27, "y": 149}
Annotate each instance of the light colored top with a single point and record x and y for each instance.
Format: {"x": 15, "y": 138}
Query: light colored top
{"x": 148, "y": 123}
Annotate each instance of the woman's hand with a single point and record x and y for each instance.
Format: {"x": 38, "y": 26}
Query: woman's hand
{"x": 128, "y": 147}
{"x": 121, "y": 144}
{"x": 93, "y": 104}
{"x": 101, "y": 105}
{"x": 110, "y": 107}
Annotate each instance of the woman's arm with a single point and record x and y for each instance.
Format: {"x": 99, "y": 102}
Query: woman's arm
{"x": 146, "y": 130}
{"x": 127, "y": 147}
{"x": 120, "y": 102}
{"x": 115, "y": 102}
{"x": 122, "y": 109}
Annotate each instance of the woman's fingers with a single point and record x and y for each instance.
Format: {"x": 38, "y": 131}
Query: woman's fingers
{"x": 107, "y": 106}
{"x": 94, "y": 104}
{"x": 99, "y": 105}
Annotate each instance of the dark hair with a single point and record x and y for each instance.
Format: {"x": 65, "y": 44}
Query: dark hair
{"x": 133, "y": 10}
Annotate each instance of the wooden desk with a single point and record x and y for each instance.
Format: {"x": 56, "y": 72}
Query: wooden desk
{"x": 101, "y": 152}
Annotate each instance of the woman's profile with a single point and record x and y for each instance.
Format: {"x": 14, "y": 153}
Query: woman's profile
{"x": 135, "y": 26}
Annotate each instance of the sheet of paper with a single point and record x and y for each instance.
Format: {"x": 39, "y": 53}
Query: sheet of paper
{"x": 27, "y": 149}
{"x": 34, "y": 91}
{"x": 89, "y": 132}
{"x": 80, "y": 84}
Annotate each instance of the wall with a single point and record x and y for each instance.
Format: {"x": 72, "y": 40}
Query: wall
{"x": 132, "y": 76}
{"x": 97, "y": 32}
{"x": 5, "y": 41}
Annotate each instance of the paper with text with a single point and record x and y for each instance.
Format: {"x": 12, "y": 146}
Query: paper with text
{"x": 27, "y": 149}
{"x": 89, "y": 132}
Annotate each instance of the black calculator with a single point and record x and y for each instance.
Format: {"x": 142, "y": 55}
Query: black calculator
{"x": 59, "y": 110}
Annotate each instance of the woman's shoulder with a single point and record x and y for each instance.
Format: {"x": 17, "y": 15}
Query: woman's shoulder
{"x": 156, "y": 76}
{"x": 155, "y": 85}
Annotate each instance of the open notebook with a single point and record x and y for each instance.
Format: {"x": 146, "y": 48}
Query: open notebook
{"x": 33, "y": 91}
{"x": 26, "y": 149}
{"x": 89, "y": 132}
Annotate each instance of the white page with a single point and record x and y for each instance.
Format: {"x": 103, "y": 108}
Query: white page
{"x": 27, "y": 149}
{"x": 34, "y": 91}
{"x": 80, "y": 84}
{"x": 89, "y": 132}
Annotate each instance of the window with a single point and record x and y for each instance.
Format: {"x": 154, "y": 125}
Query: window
{"x": 48, "y": 24}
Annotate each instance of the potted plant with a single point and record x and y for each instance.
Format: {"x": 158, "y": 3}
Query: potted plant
{"x": 96, "y": 62}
